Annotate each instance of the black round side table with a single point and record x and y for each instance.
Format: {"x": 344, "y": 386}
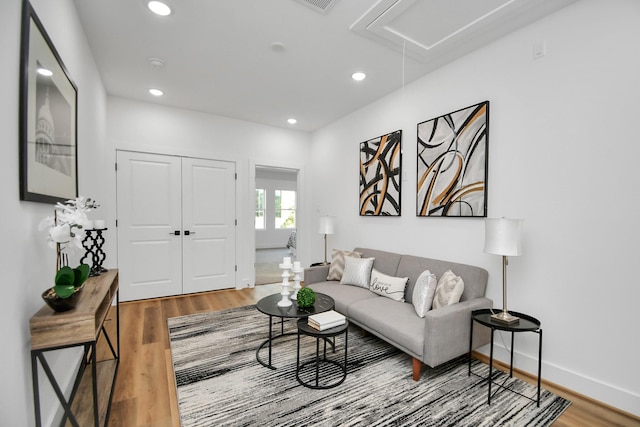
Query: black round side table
{"x": 334, "y": 372}
{"x": 269, "y": 306}
{"x": 525, "y": 324}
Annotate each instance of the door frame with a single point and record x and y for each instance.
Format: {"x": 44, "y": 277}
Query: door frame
{"x": 301, "y": 223}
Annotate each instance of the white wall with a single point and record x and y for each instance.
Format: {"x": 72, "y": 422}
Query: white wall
{"x": 153, "y": 128}
{"x": 27, "y": 261}
{"x": 562, "y": 155}
{"x": 271, "y": 180}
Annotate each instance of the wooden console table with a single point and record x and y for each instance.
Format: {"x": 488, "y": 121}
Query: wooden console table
{"x": 82, "y": 326}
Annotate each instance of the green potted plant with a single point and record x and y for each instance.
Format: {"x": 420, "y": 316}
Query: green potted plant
{"x": 306, "y": 297}
{"x": 65, "y": 233}
{"x": 65, "y": 293}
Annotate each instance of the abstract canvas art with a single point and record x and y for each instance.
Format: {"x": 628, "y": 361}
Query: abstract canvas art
{"x": 380, "y": 175}
{"x": 452, "y": 164}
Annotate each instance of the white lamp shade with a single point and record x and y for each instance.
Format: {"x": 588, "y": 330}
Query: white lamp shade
{"x": 502, "y": 236}
{"x": 326, "y": 225}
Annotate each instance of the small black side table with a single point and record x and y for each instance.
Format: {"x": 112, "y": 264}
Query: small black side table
{"x": 269, "y": 306}
{"x": 526, "y": 324}
{"x": 305, "y": 329}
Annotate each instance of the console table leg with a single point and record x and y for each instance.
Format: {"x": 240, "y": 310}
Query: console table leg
{"x": 56, "y": 388}
{"x": 36, "y": 392}
{"x": 94, "y": 374}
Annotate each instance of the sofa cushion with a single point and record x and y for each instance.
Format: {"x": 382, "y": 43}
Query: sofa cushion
{"x": 448, "y": 291}
{"x": 357, "y": 271}
{"x": 475, "y": 278}
{"x": 386, "y": 262}
{"x": 391, "y": 320}
{"x": 342, "y": 295}
{"x": 337, "y": 263}
{"x": 423, "y": 292}
{"x": 387, "y": 286}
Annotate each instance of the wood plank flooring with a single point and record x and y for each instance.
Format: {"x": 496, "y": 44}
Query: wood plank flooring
{"x": 145, "y": 393}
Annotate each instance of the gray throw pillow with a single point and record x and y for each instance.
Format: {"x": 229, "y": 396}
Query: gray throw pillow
{"x": 357, "y": 271}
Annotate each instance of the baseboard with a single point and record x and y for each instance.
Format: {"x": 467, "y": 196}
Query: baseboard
{"x": 562, "y": 391}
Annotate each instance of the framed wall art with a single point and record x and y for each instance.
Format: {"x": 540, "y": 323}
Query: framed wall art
{"x": 48, "y": 118}
{"x": 452, "y": 164}
{"x": 380, "y": 175}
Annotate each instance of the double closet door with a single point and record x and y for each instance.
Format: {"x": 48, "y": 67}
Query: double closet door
{"x": 176, "y": 225}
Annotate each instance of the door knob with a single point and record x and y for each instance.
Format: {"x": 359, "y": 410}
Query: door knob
{"x": 187, "y": 232}
{"x": 176, "y": 233}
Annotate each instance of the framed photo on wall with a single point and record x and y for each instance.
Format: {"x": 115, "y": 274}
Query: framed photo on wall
{"x": 452, "y": 164}
{"x": 48, "y": 118}
{"x": 381, "y": 175}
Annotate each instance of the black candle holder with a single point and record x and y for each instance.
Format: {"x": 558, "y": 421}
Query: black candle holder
{"x": 93, "y": 242}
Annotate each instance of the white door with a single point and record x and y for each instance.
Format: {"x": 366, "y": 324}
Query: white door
{"x": 208, "y": 218}
{"x": 149, "y": 213}
{"x": 176, "y": 225}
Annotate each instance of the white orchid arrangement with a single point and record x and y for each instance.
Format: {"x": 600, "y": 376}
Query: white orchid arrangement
{"x": 66, "y": 225}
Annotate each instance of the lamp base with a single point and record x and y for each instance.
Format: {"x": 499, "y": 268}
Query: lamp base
{"x": 505, "y": 317}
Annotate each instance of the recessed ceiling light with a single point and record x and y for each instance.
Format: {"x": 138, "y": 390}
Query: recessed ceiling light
{"x": 156, "y": 63}
{"x": 358, "y": 76}
{"x": 159, "y": 8}
{"x": 277, "y": 46}
{"x": 156, "y": 92}
{"x": 292, "y": 121}
{"x": 45, "y": 72}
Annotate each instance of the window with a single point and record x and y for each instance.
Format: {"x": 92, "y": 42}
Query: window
{"x": 285, "y": 209}
{"x": 259, "y": 219}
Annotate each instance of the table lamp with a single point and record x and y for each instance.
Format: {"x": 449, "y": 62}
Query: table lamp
{"x": 502, "y": 237}
{"x": 326, "y": 227}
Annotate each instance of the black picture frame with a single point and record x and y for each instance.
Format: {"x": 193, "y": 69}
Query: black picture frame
{"x": 48, "y": 118}
{"x": 380, "y": 177}
{"x": 452, "y": 164}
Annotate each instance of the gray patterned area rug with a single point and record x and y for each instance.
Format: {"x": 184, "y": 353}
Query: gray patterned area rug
{"x": 220, "y": 383}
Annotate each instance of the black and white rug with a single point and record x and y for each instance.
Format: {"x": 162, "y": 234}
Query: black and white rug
{"x": 220, "y": 383}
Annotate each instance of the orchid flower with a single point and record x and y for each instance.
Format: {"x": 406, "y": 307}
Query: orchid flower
{"x": 64, "y": 229}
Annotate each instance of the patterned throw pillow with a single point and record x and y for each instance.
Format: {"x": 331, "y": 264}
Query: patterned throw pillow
{"x": 423, "y": 292}
{"x": 337, "y": 263}
{"x": 388, "y": 286}
{"x": 357, "y": 271}
{"x": 449, "y": 290}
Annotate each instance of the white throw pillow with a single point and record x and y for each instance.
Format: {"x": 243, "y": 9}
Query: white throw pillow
{"x": 423, "y": 292}
{"x": 337, "y": 263}
{"x": 357, "y": 271}
{"x": 388, "y": 286}
{"x": 449, "y": 290}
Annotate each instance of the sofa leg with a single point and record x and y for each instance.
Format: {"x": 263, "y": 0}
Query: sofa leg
{"x": 417, "y": 367}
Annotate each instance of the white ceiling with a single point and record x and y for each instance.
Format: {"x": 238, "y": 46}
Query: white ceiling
{"x": 218, "y": 55}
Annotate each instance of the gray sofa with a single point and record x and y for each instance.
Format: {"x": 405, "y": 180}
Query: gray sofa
{"x": 442, "y": 335}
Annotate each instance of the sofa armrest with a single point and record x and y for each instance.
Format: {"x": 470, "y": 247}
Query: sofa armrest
{"x": 316, "y": 274}
{"x": 447, "y": 331}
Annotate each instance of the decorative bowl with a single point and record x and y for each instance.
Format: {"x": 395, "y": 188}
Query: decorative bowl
{"x": 61, "y": 304}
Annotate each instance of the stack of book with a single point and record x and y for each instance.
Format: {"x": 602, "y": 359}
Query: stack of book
{"x": 326, "y": 320}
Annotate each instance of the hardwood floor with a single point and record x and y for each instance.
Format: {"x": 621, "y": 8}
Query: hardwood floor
{"x": 145, "y": 393}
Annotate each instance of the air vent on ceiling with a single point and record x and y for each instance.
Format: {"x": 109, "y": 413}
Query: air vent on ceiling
{"x": 318, "y": 5}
